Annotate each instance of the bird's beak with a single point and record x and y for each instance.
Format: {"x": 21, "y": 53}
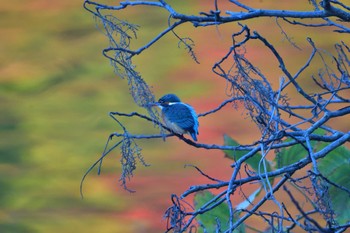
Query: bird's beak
{"x": 153, "y": 104}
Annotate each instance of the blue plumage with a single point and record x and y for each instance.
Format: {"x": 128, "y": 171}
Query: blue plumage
{"x": 179, "y": 117}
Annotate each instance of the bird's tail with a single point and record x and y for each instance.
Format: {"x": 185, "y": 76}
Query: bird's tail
{"x": 193, "y": 135}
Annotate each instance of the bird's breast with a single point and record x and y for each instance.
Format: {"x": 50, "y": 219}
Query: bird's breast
{"x": 173, "y": 126}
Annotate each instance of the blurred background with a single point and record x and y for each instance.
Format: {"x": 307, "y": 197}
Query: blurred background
{"x": 56, "y": 90}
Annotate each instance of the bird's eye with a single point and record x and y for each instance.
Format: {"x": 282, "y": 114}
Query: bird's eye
{"x": 163, "y": 102}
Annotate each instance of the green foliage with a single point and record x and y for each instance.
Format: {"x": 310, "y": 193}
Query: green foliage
{"x": 215, "y": 219}
{"x": 7, "y": 227}
{"x": 254, "y": 162}
{"x": 293, "y": 154}
{"x": 218, "y": 218}
{"x": 336, "y": 168}
{"x": 290, "y": 155}
{"x": 235, "y": 155}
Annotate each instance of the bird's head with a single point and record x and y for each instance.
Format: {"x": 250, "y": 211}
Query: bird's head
{"x": 168, "y": 99}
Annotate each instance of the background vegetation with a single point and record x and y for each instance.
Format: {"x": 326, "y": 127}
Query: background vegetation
{"x": 55, "y": 92}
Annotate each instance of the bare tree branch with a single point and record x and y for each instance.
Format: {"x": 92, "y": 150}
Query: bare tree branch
{"x": 302, "y": 129}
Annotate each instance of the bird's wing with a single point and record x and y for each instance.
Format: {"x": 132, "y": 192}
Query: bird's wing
{"x": 182, "y": 116}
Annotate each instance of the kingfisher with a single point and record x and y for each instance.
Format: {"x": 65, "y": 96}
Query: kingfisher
{"x": 177, "y": 116}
